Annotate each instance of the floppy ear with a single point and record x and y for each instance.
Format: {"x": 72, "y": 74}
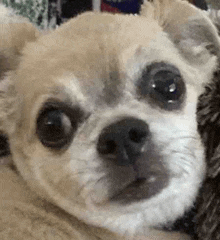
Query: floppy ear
{"x": 15, "y": 32}
{"x": 189, "y": 28}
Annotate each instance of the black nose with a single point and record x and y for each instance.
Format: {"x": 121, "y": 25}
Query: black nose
{"x": 123, "y": 141}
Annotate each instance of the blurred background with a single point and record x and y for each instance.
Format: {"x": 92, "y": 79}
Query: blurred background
{"x": 51, "y": 13}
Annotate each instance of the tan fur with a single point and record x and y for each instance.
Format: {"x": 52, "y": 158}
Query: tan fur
{"x": 15, "y": 31}
{"x": 94, "y": 61}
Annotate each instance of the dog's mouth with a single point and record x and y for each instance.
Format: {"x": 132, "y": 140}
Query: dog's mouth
{"x": 141, "y": 188}
{"x": 131, "y": 190}
{"x": 139, "y": 181}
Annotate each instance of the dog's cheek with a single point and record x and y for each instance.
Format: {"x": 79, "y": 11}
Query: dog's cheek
{"x": 49, "y": 174}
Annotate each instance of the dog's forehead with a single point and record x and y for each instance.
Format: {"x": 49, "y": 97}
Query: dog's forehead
{"x": 89, "y": 49}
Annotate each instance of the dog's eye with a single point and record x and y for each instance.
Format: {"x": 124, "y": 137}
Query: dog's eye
{"x": 164, "y": 84}
{"x": 167, "y": 86}
{"x": 54, "y": 128}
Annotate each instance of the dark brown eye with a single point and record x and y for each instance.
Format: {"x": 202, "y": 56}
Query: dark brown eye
{"x": 57, "y": 122}
{"x": 164, "y": 84}
{"x": 167, "y": 86}
{"x": 54, "y": 128}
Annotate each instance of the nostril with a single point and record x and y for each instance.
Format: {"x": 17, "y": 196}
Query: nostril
{"x": 137, "y": 136}
{"x": 107, "y": 147}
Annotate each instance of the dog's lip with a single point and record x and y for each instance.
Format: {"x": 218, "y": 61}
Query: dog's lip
{"x": 137, "y": 183}
{"x": 140, "y": 189}
{"x": 130, "y": 188}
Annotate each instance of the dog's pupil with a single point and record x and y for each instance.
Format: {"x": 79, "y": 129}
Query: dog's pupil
{"x": 168, "y": 85}
{"x": 54, "y": 118}
{"x": 54, "y": 128}
{"x": 57, "y": 125}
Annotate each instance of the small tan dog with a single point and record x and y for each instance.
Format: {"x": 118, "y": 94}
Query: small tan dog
{"x": 101, "y": 120}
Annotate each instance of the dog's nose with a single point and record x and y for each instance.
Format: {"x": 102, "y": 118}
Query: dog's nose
{"x": 123, "y": 141}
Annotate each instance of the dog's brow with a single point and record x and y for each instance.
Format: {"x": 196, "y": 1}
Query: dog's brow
{"x": 111, "y": 77}
{"x": 112, "y": 88}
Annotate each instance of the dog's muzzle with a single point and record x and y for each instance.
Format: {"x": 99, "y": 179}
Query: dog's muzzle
{"x": 137, "y": 170}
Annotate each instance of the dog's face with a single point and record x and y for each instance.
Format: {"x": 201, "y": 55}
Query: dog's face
{"x": 104, "y": 123}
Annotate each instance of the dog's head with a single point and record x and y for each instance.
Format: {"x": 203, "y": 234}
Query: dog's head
{"x": 103, "y": 114}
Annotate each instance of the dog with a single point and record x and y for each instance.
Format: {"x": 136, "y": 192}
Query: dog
{"x": 100, "y": 115}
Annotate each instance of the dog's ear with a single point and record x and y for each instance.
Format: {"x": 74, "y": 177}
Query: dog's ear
{"x": 15, "y": 33}
{"x": 188, "y": 27}
{"x": 185, "y": 24}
